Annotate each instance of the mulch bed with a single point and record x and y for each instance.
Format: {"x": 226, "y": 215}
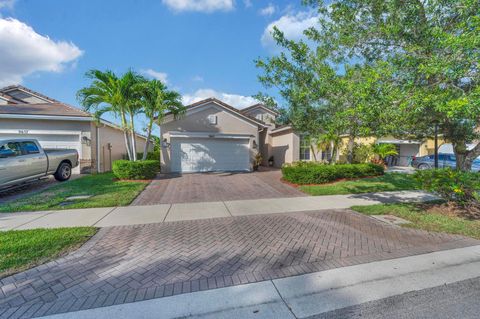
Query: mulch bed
{"x": 471, "y": 212}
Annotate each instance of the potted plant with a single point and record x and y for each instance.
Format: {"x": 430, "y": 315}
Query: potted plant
{"x": 257, "y": 161}
{"x": 382, "y": 151}
{"x": 270, "y": 161}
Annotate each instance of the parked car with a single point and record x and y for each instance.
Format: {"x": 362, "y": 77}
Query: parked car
{"x": 444, "y": 161}
{"x": 24, "y": 160}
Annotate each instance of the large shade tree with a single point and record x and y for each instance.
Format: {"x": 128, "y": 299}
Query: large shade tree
{"x": 326, "y": 99}
{"x": 433, "y": 51}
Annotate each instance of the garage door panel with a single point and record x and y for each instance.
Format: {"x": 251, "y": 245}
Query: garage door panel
{"x": 202, "y": 155}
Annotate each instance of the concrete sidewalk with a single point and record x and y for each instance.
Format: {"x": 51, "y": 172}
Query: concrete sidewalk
{"x": 306, "y": 295}
{"x": 133, "y": 215}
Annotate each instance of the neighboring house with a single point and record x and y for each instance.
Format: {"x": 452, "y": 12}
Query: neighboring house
{"x": 26, "y": 113}
{"x": 214, "y": 136}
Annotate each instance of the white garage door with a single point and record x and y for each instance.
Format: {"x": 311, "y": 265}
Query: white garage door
{"x": 205, "y": 154}
{"x": 53, "y": 141}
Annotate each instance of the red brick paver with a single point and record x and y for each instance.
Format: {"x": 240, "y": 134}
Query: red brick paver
{"x": 132, "y": 263}
{"x": 212, "y": 187}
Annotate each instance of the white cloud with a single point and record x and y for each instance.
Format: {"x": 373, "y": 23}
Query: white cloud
{"x": 268, "y": 10}
{"x": 200, "y": 5}
{"x": 235, "y": 100}
{"x": 23, "y": 52}
{"x": 7, "y": 4}
{"x": 156, "y": 75}
{"x": 292, "y": 25}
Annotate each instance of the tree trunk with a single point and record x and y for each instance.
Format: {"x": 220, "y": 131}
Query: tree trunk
{"x": 333, "y": 158}
{"x": 125, "y": 135}
{"x": 134, "y": 140}
{"x": 350, "y": 146}
{"x": 313, "y": 153}
{"x": 465, "y": 157}
{"x": 149, "y": 134}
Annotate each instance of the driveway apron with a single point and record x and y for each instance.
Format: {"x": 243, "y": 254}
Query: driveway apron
{"x": 132, "y": 263}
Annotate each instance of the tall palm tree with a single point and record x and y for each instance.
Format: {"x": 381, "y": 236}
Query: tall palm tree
{"x": 157, "y": 101}
{"x": 132, "y": 82}
{"x": 109, "y": 93}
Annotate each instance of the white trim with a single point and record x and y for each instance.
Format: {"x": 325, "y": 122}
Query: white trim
{"x": 39, "y": 132}
{"x": 395, "y": 141}
{"x": 280, "y": 129}
{"x": 46, "y": 117}
{"x": 174, "y": 134}
{"x": 198, "y": 108}
{"x": 247, "y": 109}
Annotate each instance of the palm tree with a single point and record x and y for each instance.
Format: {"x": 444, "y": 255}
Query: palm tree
{"x": 133, "y": 84}
{"x": 383, "y": 150}
{"x": 329, "y": 141}
{"x": 109, "y": 93}
{"x": 157, "y": 101}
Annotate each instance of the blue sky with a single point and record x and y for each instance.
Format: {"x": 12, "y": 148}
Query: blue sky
{"x": 200, "y": 47}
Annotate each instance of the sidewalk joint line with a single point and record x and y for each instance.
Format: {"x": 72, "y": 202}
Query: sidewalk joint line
{"x": 109, "y": 212}
{"x": 168, "y": 212}
{"x": 228, "y": 210}
{"x": 284, "y": 301}
{"x": 48, "y": 213}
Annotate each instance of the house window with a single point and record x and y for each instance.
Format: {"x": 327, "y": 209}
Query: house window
{"x": 212, "y": 119}
{"x": 304, "y": 149}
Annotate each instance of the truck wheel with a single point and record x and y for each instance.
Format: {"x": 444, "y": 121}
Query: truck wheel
{"x": 63, "y": 172}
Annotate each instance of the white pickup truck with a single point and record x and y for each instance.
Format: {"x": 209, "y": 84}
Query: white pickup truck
{"x": 24, "y": 160}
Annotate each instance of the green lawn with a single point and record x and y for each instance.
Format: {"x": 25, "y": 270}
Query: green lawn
{"x": 387, "y": 182}
{"x": 22, "y": 249}
{"x": 424, "y": 218}
{"x": 106, "y": 191}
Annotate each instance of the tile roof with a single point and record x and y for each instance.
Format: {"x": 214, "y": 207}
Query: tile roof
{"x": 51, "y": 109}
{"x": 227, "y": 106}
{"x": 6, "y": 89}
{"x": 251, "y": 107}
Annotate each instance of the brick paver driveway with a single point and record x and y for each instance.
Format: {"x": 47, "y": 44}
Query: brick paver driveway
{"x": 131, "y": 263}
{"x": 212, "y": 187}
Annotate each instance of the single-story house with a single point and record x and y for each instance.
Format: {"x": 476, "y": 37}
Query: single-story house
{"x": 24, "y": 112}
{"x": 215, "y": 136}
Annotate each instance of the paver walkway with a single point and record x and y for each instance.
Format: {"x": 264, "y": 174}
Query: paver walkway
{"x": 132, "y": 263}
{"x": 212, "y": 187}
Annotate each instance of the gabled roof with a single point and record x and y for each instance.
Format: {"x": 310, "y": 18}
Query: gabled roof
{"x": 226, "y": 106}
{"x": 10, "y": 88}
{"x": 259, "y": 106}
{"x": 52, "y": 109}
{"x": 8, "y": 98}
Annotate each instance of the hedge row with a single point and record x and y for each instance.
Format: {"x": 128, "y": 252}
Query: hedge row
{"x": 317, "y": 173}
{"x": 124, "y": 169}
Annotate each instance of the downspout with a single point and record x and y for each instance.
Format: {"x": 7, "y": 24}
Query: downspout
{"x": 98, "y": 147}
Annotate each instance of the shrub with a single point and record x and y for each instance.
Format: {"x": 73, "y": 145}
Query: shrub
{"x": 451, "y": 185}
{"x": 124, "y": 169}
{"x": 317, "y": 173}
{"x": 153, "y": 156}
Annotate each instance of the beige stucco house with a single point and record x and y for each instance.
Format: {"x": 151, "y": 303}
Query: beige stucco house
{"x": 215, "y": 136}
{"x": 24, "y": 112}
